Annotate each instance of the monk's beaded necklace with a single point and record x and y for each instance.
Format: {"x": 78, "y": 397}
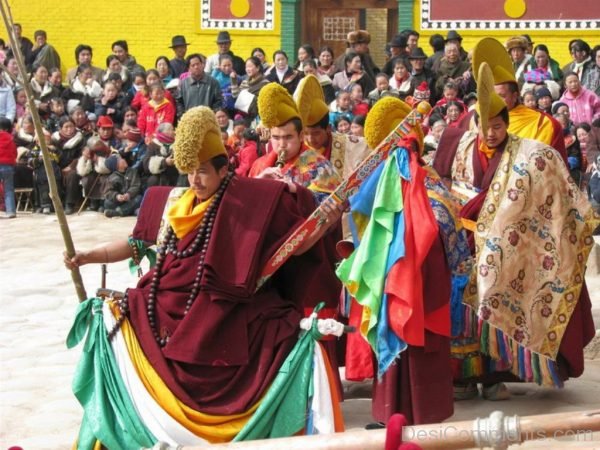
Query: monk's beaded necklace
{"x": 170, "y": 246}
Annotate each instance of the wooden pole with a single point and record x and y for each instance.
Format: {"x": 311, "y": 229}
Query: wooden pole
{"x": 495, "y": 430}
{"x": 58, "y": 207}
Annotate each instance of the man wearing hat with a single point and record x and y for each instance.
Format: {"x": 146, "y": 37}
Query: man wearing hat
{"x": 224, "y": 46}
{"x": 453, "y": 36}
{"x": 419, "y": 72}
{"x": 402, "y": 297}
{"x": 209, "y": 339}
{"x": 291, "y": 160}
{"x": 345, "y": 152}
{"x": 516, "y": 47}
{"x": 179, "y": 46}
{"x": 358, "y": 41}
{"x": 397, "y": 47}
{"x": 517, "y": 199}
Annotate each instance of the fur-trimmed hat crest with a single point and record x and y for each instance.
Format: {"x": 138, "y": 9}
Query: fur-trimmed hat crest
{"x": 276, "y": 107}
{"x": 359, "y": 37}
{"x": 516, "y": 42}
{"x": 197, "y": 139}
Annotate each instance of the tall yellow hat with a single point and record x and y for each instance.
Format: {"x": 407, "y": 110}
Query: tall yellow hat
{"x": 276, "y": 106}
{"x": 489, "y": 104}
{"x": 197, "y": 139}
{"x": 311, "y": 101}
{"x": 491, "y": 51}
{"x": 385, "y": 116}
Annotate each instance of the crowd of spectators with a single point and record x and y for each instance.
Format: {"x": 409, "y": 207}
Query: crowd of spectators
{"x": 110, "y": 130}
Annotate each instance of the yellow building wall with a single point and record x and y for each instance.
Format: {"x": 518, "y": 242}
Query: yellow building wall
{"x": 146, "y": 25}
{"x": 557, "y": 41}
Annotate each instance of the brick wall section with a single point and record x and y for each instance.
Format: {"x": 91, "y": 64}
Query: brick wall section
{"x": 377, "y": 24}
{"x": 146, "y": 25}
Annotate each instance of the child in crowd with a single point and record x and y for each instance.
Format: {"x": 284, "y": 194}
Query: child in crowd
{"x": 57, "y": 113}
{"x": 529, "y": 99}
{"x": 544, "y": 100}
{"x": 158, "y": 161}
{"x": 248, "y": 152}
{"x": 158, "y": 110}
{"x": 381, "y": 90}
{"x": 235, "y": 139}
{"x": 21, "y": 102}
{"x": 359, "y": 106}
{"x": 357, "y": 127}
{"x": 341, "y": 105}
{"x": 123, "y": 190}
{"x": 110, "y": 104}
{"x": 8, "y": 160}
{"x": 134, "y": 149}
{"x": 343, "y": 123}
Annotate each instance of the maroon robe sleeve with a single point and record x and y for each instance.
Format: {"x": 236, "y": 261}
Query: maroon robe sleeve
{"x": 446, "y": 151}
{"x": 150, "y": 214}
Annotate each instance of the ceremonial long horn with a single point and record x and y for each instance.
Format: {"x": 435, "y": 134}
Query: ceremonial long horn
{"x": 58, "y": 208}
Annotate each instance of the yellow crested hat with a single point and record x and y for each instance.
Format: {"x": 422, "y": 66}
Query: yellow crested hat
{"x": 197, "y": 139}
{"x": 311, "y": 101}
{"x": 489, "y": 104}
{"x": 493, "y": 52}
{"x": 276, "y": 106}
{"x": 385, "y": 116}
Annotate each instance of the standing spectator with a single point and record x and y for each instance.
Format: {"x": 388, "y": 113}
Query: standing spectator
{"x": 310, "y": 68}
{"x": 227, "y": 78}
{"x": 419, "y": 73}
{"x": 260, "y": 54}
{"x": 397, "y": 47}
{"x": 326, "y": 66}
{"x": 412, "y": 39}
{"x": 199, "y": 89}
{"x": 584, "y": 105}
{"x": 516, "y": 47}
{"x": 12, "y": 76}
{"x": 591, "y": 77}
{"x": 8, "y": 106}
{"x": 436, "y": 41}
{"x": 163, "y": 67}
{"x": 580, "y": 51}
{"x": 179, "y": 64}
{"x": 24, "y": 42}
{"x": 120, "y": 49}
{"x": 358, "y": 42}
{"x": 113, "y": 65}
{"x": 83, "y": 55}
{"x": 43, "y": 54}
{"x": 282, "y": 73}
{"x": 454, "y": 38}
{"x": 8, "y": 160}
{"x": 451, "y": 68}
{"x": 224, "y": 48}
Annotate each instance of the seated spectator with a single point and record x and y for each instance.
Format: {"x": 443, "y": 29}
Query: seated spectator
{"x": 235, "y": 138}
{"x": 91, "y": 167}
{"x": 357, "y": 127}
{"x": 359, "y": 106}
{"x": 134, "y": 149}
{"x": 163, "y": 67}
{"x": 83, "y": 91}
{"x": 158, "y": 110}
{"x": 254, "y": 82}
{"x": 12, "y": 76}
{"x": 591, "y": 77}
{"x": 83, "y": 55}
{"x": 55, "y": 80}
{"x": 110, "y": 104}
{"x": 543, "y": 99}
{"x": 69, "y": 143}
{"x": 82, "y": 122}
{"x": 138, "y": 94}
{"x": 57, "y": 113}
{"x": 42, "y": 90}
{"x": 123, "y": 190}
{"x": 455, "y": 111}
{"x": 582, "y": 134}
{"x": 158, "y": 162}
{"x": 529, "y": 100}
{"x": 26, "y": 143}
{"x": 341, "y": 105}
{"x": 343, "y": 123}
{"x": 432, "y": 140}
{"x": 584, "y": 105}
{"x": 260, "y": 54}
{"x": 382, "y": 89}
{"x": 8, "y": 161}
{"x": 113, "y": 65}
{"x": 282, "y": 73}
{"x": 401, "y": 80}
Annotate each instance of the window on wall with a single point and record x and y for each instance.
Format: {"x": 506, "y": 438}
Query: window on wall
{"x": 337, "y": 28}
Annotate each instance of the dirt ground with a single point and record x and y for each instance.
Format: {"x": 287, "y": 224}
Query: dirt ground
{"x": 37, "y": 304}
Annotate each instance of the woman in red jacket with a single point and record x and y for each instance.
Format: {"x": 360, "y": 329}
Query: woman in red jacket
{"x": 8, "y": 159}
{"x": 158, "y": 110}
